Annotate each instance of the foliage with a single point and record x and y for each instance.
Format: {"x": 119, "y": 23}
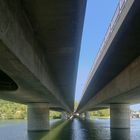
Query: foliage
{"x": 100, "y": 113}
{"x": 55, "y": 115}
{"x": 11, "y": 110}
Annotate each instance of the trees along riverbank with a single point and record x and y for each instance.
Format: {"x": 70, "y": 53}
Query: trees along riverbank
{"x": 11, "y": 110}
{"x": 105, "y": 113}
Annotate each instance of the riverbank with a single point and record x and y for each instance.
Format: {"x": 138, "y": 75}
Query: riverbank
{"x": 101, "y": 117}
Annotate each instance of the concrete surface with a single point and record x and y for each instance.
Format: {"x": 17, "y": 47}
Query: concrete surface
{"x": 38, "y": 117}
{"x": 116, "y": 71}
{"x": 39, "y": 50}
{"x": 119, "y": 116}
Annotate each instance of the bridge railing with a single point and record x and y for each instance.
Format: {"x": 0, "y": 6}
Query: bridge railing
{"x": 114, "y": 20}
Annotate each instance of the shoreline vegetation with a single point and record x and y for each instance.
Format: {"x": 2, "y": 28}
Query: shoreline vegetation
{"x": 100, "y": 114}
{"x": 10, "y": 110}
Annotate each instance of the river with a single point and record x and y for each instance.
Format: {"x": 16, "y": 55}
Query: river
{"x": 97, "y": 129}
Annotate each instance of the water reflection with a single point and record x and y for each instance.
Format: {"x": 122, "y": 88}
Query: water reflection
{"x": 77, "y": 132}
{"x": 59, "y": 131}
{"x": 76, "y": 129}
{"x": 95, "y": 130}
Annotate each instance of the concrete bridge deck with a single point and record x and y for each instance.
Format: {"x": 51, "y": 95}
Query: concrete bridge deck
{"x": 115, "y": 75}
{"x": 39, "y": 51}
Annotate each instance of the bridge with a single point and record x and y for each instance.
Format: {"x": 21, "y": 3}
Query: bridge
{"x": 114, "y": 80}
{"x": 39, "y": 51}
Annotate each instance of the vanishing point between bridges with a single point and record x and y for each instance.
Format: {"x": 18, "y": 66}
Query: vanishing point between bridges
{"x": 39, "y": 53}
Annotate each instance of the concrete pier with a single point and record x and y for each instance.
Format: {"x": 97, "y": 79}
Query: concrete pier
{"x": 87, "y": 116}
{"x": 82, "y": 115}
{"x": 119, "y": 116}
{"x": 64, "y": 116}
{"x": 38, "y": 117}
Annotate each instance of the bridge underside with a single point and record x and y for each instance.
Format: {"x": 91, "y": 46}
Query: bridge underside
{"x": 39, "y": 51}
{"x": 124, "y": 88}
{"x": 123, "y": 51}
{"x": 28, "y": 88}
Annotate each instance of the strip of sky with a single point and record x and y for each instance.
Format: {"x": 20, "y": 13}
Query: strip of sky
{"x": 97, "y": 19}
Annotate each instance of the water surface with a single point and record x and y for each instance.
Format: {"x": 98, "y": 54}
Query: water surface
{"x": 97, "y": 129}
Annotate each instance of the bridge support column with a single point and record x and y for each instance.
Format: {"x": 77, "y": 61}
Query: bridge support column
{"x": 38, "y": 117}
{"x": 87, "y": 116}
{"x": 64, "y": 116}
{"x": 82, "y": 115}
{"x": 119, "y": 116}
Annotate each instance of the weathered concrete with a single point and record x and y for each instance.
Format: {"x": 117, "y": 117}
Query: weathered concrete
{"x": 87, "y": 115}
{"x": 120, "y": 134}
{"x": 39, "y": 47}
{"x": 124, "y": 88}
{"x": 38, "y": 117}
{"x": 119, "y": 116}
{"x": 82, "y": 115}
